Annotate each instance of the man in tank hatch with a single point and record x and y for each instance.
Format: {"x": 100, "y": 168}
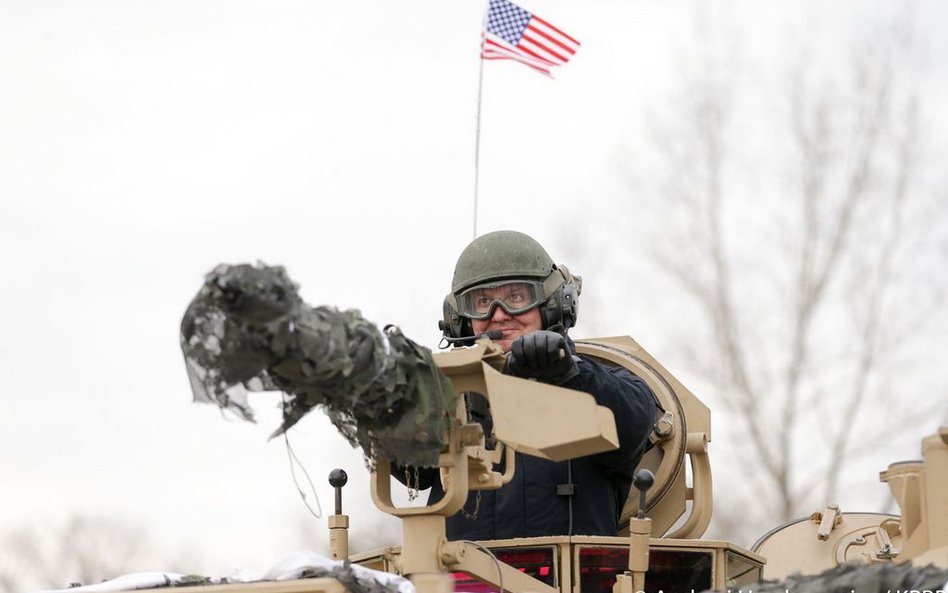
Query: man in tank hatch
{"x": 507, "y": 285}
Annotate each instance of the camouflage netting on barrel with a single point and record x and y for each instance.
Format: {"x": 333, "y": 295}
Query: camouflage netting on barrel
{"x": 247, "y": 329}
{"x": 861, "y": 578}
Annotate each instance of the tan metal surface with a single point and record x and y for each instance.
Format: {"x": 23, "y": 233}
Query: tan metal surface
{"x": 656, "y": 543}
{"x": 831, "y": 538}
{"x": 640, "y": 534}
{"x": 688, "y": 431}
{"x": 339, "y": 537}
{"x": 467, "y": 558}
{"x": 798, "y": 547}
{"x": 921, "y": 489}
{"x": 423, "y": 538}
{"x": 568, "y": 552}
{"x": 548, "y": 421}
{"x": 906, "y": 484}
{"x": 935, "y": 453}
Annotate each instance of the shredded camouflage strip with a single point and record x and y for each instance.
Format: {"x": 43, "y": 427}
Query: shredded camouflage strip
{"x": 248, "y": 330}
{"x": 860, "y": 578}
{"x": 193, "y": 580}
{"x": 345, "y": 575}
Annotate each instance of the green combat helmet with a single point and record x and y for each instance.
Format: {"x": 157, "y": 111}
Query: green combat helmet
{"x": 500, "y": 257}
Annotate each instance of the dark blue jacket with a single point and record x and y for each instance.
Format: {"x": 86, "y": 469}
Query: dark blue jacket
{"x": 531, "y": 504}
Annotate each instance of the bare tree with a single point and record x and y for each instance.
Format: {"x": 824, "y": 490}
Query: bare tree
{"x": 83, "y": 550}
{"x": 802, "y": 248}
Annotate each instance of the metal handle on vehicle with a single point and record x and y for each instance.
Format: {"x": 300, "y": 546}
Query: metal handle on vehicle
{"x": 701, "y": 497}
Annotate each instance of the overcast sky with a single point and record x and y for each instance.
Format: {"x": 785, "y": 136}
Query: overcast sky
{"x": 142, "y": 143}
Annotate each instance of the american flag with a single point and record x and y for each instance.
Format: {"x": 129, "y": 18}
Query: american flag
{"x": 512, "y": 33}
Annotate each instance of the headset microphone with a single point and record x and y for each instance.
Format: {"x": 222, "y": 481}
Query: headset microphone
{"x": 494, "y": 334}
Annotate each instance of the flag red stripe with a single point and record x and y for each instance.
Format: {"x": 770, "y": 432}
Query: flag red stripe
{"x": 552, "y": 39}
{"x": 535, "y": 55}
{"x": 512, "y": 51}
{"x": 498, "y": 52}
{"x": 542, "y": 46}
{"x": 555, "y": 29}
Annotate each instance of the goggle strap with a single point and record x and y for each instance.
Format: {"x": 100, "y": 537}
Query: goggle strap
{"x": 552, "y": 283}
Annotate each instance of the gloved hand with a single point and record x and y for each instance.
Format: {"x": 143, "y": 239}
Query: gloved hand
{"x": 542, "y": 355}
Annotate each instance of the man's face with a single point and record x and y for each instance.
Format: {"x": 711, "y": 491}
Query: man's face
{"x": 512, "y": 326}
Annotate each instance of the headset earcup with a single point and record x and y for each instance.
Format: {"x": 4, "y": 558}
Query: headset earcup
{"x": 569, "y": 304}
{"x": 561, "y": 308}
{"x": 452, "y": 324}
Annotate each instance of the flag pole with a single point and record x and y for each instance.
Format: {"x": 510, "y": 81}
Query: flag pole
{"x": 477, "y": 141}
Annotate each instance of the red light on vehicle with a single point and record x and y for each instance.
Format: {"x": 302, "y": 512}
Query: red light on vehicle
{"x": 670, "y": 571}
{"x": 536, "y": 562}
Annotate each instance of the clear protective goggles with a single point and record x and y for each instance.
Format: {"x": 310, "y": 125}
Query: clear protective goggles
{"x": 514, "y": 296}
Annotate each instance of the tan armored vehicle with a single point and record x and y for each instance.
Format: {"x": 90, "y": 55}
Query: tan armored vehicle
{"x": 659, "y": 546}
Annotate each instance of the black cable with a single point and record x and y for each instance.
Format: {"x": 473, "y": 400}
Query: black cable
{"x": 500, "y": 575}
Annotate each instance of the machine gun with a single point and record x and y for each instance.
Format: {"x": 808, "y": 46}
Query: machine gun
{"x": 248, "y": 329}
{"x": 553, "y": 423}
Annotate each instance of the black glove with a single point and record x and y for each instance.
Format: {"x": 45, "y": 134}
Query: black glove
{"x": 542, "y": 355}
